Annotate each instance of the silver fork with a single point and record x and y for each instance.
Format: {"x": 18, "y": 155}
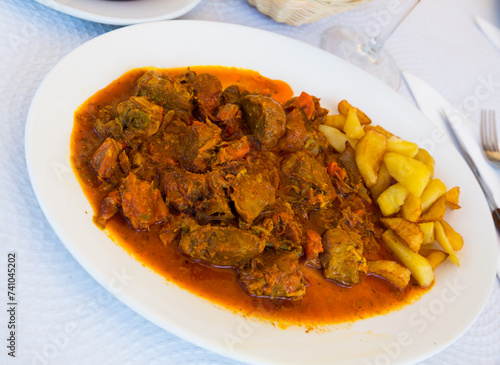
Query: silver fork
{"x": 489, "y": 139}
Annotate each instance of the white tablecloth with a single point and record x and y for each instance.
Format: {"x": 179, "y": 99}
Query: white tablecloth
{"x": 438, "y": 42}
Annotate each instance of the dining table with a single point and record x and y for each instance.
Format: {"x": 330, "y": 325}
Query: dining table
{"x": 62, "y": 314}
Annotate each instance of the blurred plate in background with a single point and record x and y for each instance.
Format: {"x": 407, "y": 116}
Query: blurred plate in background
{"x": 122, "y": 12}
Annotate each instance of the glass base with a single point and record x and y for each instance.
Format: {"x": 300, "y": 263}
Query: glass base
{"x": 349, "y": 45}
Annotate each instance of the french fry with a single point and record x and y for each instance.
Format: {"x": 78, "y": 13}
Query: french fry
{"x": 431, "y": 193}
{"x": 392, "y": 271}
{"x": 455, "y": 238}
{"x": 424, "y": 156}
{"x": 444, "y": 242}
{"x": 411, "y": 208}
{"x": 420, "y": 268}
{"x": 405, "y": 148}
{"x": 391, "y": 199}
{"x": 428, "y": 230}
{"x": 344, "y": 107}
{"x": 379, "y": 129}
{"x": 384, "y": 180}
{"x": 436, "y": 211}
{"x": 411, "y": 173}
{"x": 335, "y": 121}
{"x": 352, "y": 126}
{"x": 452, "y": 197}
{"x": 409, "y": 232}
{"x": 427, "y": 247}
{"x": 336, "y": 138}
{"x": 426, "y": 250}
{"x": 435, "y": 257}
{"x": 370, "y": 152}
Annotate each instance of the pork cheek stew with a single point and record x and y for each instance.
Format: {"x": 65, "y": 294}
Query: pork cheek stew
{"x": 219, "y": 180}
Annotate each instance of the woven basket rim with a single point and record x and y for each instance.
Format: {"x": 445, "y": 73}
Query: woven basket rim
{"x": 298, "y": 12}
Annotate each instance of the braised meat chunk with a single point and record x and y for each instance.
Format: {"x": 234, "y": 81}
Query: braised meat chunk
{"x": 208, "y": 91}
{"x": 304, "y": 174}
{"x": 287, "y": 233}
{"x": 300, "y": 135}
{"x": 183, "y": 189}
{"x": 251, "y": 194}
{"x": 233, "y": 150}
{"x": 214, "y": 208}
{"x": 140, "y": 116}
{"x": 221, "y": 246}
{"x": 105, "y": 159}
{"x": 297, "y": 131}
{"x": 165, "y": 91}
{"x": 230, "y": 118}
{"x": 141, "y": 202}
{"x": 342, "y": 259}
{"x": 274, "y": 274}
{"x": 265, "y": 118}
{"x": 231, "y": 94}
{"x": 198, "y": 145}
{"x": 347, "y": 160}
{"x": 108, "y": 208}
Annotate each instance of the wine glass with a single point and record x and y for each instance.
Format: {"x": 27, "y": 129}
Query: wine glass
{"x": 364, "y": 46}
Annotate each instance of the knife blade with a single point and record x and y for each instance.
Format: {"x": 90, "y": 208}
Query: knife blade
{"x": 432, "y": 104}
{"x": 490, "y": 31}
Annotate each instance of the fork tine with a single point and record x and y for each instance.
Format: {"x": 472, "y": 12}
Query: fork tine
{"x": 493, "y": 125}
{"x": 489, "y": 137}
{"x": 483, "y": 130}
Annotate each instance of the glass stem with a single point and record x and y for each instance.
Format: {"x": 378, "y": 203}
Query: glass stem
{"x": 396, "y": 12}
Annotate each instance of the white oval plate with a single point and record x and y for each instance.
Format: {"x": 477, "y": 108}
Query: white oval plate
{"x": 122, "y": 12}
{"x": 402, "y": 337}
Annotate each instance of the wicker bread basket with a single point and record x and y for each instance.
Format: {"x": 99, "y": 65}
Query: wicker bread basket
{"x": 297, "y": 12}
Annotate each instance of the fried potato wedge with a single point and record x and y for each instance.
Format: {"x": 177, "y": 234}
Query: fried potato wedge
{"x": 428, "y": 230}
{"x": 436, "y": 211}
{"x": 444, "y": 242}
{"x": 419, "y": 266}
{"x": 425, "y": 157}
{"x": 432, "y": 192}
{"x": 384, "y": 180}
{"x": 392, "y": 199}
{"x": 411, "y": 173}
{"x": 456, "y": 240}
{"x": 405, "y": 148}
{"x": 379, "y": 129}
{"x": 409, "y": 232}
{"x": 335, "y": 121}
{"x": 435, "y": 257}
{"x": 412, "y": 208}
{"x": 336, "y": 138}
{"x": 344, "y": 107}
{"x": 352, "y": 126}
{"x": 452, "y": 196}
{"x": 392, "y": 271}
{"x": 428, "y": 246}
{"x": 370, "y": 152}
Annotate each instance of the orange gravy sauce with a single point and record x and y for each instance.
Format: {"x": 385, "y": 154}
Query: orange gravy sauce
{"x": 324, "y": 303}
